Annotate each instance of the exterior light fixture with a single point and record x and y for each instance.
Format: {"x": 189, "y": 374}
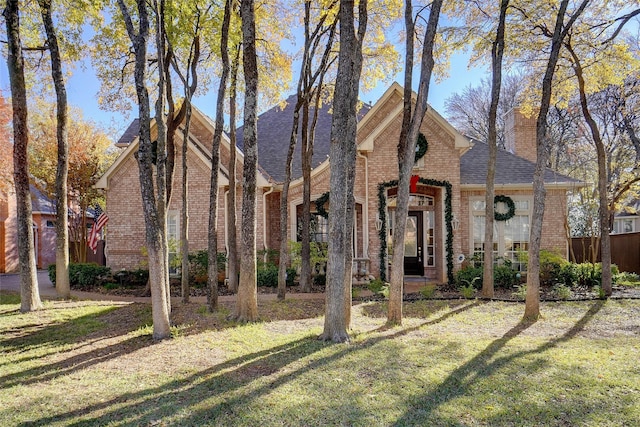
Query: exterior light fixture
{"x": 378, "y": 223}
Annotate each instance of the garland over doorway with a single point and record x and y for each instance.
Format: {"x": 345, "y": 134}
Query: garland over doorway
{"x": 448, "y": 217}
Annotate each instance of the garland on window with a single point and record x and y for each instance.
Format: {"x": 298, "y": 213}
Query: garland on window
{"x": 320, "y": 202}
{"x": 448, "y": 217}
{"x": 421, "y": 147}
{"x": 511, "y": 208}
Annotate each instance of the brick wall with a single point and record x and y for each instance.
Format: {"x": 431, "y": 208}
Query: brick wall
{"x": 10, "y": 243}
{"x": 553, "y": 231}
{"x": 520, "y": 134}
{"x": 126, "y": 228}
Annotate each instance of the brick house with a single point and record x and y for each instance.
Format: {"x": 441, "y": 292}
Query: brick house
{"x": 44, "y": 232}
{"x": 446, "y": 211}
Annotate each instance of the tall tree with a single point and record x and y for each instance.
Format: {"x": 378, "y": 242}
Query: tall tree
{"x": 411, "y": 123}
{"x": 215, "y": 161}
{"x": 161, "y": 143}
{"x": 603, "y": 211}
{"x": 232, "y": 247}
{"x": 90, "y": 155}
{"x": 532, "y": 299}
{"x": 62, "y": 172}
{"x": 153, "y": 228}
{"x": 189, "y": 80}
{"x": 343, "y": 156}
{"x": 29, "y": 292}
{"x": 309, "y": 91}
{"x": 246, "y": 308}
{"x": 497, "y": 51}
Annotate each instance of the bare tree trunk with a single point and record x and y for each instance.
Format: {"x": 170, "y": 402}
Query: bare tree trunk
{"x": 62, "y": 217}
{"x": 284, "y": 199}
{"x": 496, "y": 63}
{"x": 247, "y": 301}
{"x": 184, "y": 224}
{"x": 603, "y": 209}
{"x": 306, "y": 152}
{"x": 406, "y": 158}
{"x": 305, "y": 92}
{"x": 343, "y": 133}
{"x": 29, "y": 292}
{"x": 189, "y": 89}
{"x": 532, "y": 299}
{"x": 232, "y": 258}
{"x": 212, "y": 268}
{"x": 153, "y": 230}
{"x": 349, "y": 224}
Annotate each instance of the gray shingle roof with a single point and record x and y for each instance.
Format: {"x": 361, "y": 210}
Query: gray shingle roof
{"x": 130, "y": 133}
{"x": 510, "y": 169}
{"x": 41, "y": 202}
{"x": 274, "y": 132}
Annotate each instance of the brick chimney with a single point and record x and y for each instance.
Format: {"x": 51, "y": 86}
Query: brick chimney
{"x": 520, "y": 134}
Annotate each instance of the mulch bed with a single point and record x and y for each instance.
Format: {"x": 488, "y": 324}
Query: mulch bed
{"x": 443, "y": 291}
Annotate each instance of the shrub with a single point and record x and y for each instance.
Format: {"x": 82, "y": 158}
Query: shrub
{"x": 376, "y": 285}
{"x": 132, "y": 278}
{"x": 83, "y": 276}
{"x": 51, "y": 269}
{"x": 551, "y": 264}
{"x": 628, "y": 279}
{"x": 469, "y": 275}
{"x": 568, "y": 275}
{"x": 291, "y": 276}
{"x": 504, "y": 276}
{"x": 267, "y": 275}
{"x": 318, "y": 259}
{"x": 521, "y": 291}
{"x": 467, "y": 291}
{"x": 590, "y": 275}
{"x": 320, "y": 280}
{"x": 428, "y": 291}
{"x": 199, "y": 265}
{"x": 562, "y": 292}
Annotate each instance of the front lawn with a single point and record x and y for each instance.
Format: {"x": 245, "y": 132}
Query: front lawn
{"x": 458, "y": 362}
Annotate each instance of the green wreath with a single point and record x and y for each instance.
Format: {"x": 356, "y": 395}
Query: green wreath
{"x": 511, "y": 208}
{"x": 320, "y": 202}
{"x": 421, "y": 147}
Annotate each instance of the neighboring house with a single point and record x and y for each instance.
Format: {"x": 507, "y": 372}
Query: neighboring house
{"x": 628, "y": 220}
{"x": 44, "y": 232}
{"x": 446, "y": 212}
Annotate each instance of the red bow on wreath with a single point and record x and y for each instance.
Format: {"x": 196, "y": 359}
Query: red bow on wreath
{"x": 413, "y": 184}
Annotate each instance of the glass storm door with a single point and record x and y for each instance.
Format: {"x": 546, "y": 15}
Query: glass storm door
{"x": 413, "y": 242}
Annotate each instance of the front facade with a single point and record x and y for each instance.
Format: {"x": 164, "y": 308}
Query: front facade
{"x": 446, "y": 206}
{"x": 44, "y": 232}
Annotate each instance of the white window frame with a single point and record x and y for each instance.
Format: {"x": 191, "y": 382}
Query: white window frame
{"x": 619, "y": 225}
{"x": 173, "y": 215}
{"x": 477, "y": 210}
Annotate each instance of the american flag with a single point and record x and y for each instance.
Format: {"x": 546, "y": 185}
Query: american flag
{"x": 100, "y": 220}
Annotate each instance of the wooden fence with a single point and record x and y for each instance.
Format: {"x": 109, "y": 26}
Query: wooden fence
{"x": 98, "y": 257}
{"x": 625, "y": 250}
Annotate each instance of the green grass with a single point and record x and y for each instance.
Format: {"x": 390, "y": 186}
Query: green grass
{"x": 451, "y": 363}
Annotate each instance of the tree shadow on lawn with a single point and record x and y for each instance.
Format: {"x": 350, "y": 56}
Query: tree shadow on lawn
{"x": 185, "y": 395}
{"x": 99, "y": 329}
{"x": 425, "y": 309}
{"x": 460, "y": 381}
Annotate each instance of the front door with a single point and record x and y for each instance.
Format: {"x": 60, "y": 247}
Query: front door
{"x": 413, "y": 242}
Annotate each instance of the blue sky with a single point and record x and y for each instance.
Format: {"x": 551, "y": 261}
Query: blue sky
{"x": 83, "y": 88}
